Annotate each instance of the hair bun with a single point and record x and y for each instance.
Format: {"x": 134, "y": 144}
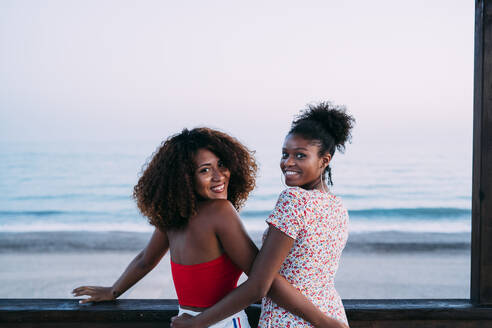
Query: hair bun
{"x": 332, "y": 118}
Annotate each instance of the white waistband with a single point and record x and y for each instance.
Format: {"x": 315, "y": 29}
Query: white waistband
{"x": 238, "y": 320}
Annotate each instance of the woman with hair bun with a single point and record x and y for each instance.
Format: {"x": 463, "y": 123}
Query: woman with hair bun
{"x": 308, "y": 228}
{"x": 190, "y": 192}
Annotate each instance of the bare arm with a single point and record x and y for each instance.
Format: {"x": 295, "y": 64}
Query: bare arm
{"x": 263, "y": 275}
{"x": 142, "y": 264}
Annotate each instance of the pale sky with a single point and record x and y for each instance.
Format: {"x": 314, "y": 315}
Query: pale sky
{"x": 146, "y": 69}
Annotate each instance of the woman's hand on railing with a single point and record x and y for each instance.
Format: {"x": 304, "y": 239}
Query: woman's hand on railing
{"x": 183, "y": 321}
{"x": 95, "y": 293}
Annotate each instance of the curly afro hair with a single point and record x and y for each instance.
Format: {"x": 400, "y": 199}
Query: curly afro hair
{"x": 326, "y": 124}
{"x": 165, "y": 192}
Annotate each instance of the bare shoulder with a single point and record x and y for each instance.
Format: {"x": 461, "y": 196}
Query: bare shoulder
{"x": 218, "y": 210}
{"x": 216, "y": 205}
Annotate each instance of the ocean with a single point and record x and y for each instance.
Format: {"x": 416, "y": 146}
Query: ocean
{"x": 405, "y": 196}
{"x": 67, "y": 217}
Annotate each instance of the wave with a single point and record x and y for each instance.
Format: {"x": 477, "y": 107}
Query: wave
{"x": 89, "y": 241}
{"x": 408, "y": 242}
{"x": 419, "y": 212}
{"x": 446, "y": 220}
{"x": 80, "y": 226}
{"x": 49, "y": 213}
{"x": 255, "y": 214}
{"x": 406, "y": 247}
{"x": 73, "y": 196}
{"x": 72, "y": 241}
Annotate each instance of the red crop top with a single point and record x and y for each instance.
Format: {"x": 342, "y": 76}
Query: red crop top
{"x": 204, "y": 284}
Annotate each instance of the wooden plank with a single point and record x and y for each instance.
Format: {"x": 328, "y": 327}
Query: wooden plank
{"x": 486, "y": 170}
{"x": 118, "y": 324}
{"x": 357, "y": 324}
{"x": 481, "y": 246}
{"x": 69, "y": 310}
{"x": 25, "y": 311}
{"x": 153, "y": 312}
{"x": 420, "y": 309}
{"x": 72, "y": 305}
{"x": 421, "y": 324}
{"x": 477, "y": 119}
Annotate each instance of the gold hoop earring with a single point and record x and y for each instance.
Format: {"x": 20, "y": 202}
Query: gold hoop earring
{"x": 322, "y": 182}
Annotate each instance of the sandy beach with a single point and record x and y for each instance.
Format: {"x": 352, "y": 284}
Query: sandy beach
{"x": 54, "y": 275}
{"x": 367, "y": 270}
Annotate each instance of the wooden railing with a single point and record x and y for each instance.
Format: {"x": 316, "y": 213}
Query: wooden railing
{"x": 69, "y": 313}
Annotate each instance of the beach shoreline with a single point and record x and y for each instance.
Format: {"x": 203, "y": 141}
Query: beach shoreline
{"x": 51, "y": 264}
{"x": 122, "y": 241}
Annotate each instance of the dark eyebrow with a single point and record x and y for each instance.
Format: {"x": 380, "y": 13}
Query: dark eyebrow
{"x": 299, "y": 148}
{"x": 205, "y": 164}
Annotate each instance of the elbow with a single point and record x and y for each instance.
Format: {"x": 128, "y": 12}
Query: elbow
{"x": 142, "y": 263}
{"x": 261, "y": 289}
{"x": 144, "y": 266}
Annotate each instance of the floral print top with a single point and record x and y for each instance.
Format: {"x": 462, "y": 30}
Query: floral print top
{"x": 318, "y": 223}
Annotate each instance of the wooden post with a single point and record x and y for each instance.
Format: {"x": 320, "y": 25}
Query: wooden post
{"x": 481, "y": 246}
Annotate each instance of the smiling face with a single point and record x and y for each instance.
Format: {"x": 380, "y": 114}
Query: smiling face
{"x": 211, "y": 176}
{"x": 301, "y": 164}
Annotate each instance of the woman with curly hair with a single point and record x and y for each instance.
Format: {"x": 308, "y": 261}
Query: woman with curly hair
{"x": 308, "y": 228}
{"x": 191, "y": 191}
